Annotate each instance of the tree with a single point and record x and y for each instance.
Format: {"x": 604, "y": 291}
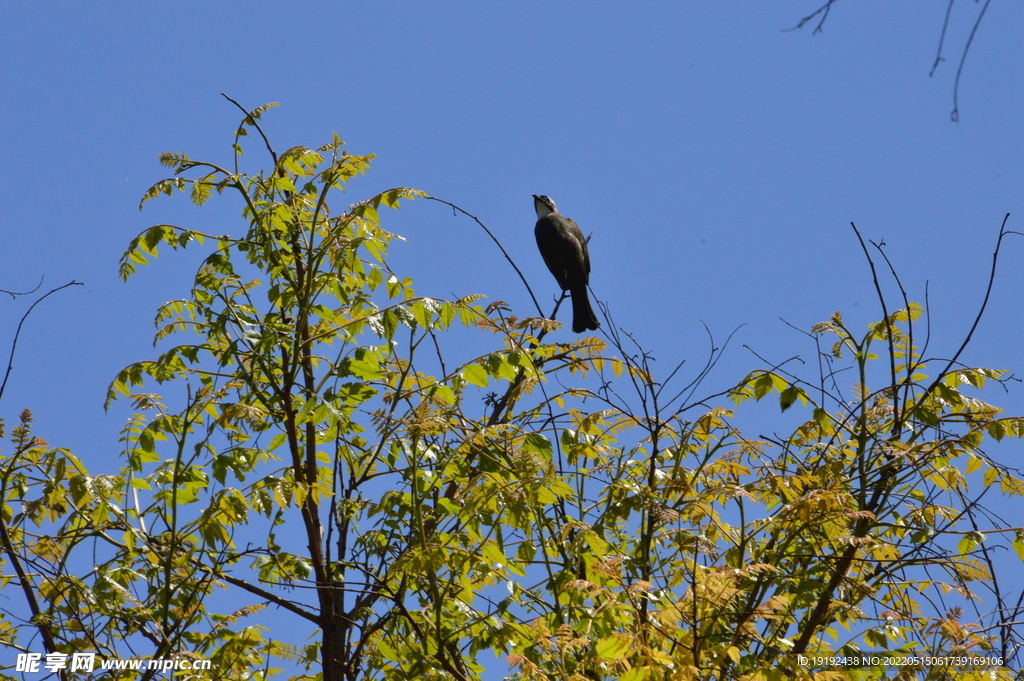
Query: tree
{"x": 587, "y": 519}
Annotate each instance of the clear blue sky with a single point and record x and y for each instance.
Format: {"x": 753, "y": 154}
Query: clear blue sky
{"x": 717, "y": 160}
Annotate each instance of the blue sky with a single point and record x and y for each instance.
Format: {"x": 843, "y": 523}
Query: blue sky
{"x": 717, "y": 160}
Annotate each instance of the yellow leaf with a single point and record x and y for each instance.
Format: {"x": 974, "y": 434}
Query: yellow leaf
{"x": 494, "y": 555}
{"x": 614, "y": 647}
{"x": 990, "y": 476}
{"x": 636, "y": 674}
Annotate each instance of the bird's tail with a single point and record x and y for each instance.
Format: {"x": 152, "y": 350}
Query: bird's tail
{"x": 583, "y": 317}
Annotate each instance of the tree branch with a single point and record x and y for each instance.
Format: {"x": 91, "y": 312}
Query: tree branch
{"x": 17, "y": 333}
{"x": 502, "y": 248}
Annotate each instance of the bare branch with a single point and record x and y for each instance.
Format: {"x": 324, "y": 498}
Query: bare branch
{"x": 502, "y": 248}
{"x": 823, "y": 11}
{"x": 955, "y": 115}
{"x": 984, "y": 303}
{"x": 14, "y": 294}
{"x": 942, "y": 38}
{"x": 17, "y": 333}
{"x": 250, "y": 119}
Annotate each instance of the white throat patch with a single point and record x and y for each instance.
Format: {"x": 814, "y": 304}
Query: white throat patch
{"x": 543, "y": 210}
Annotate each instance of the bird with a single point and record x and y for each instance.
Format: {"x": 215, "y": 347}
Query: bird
{"x": 564, "y": 250}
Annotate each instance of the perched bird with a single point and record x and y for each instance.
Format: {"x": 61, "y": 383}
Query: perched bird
{"x": 564, "y": 250}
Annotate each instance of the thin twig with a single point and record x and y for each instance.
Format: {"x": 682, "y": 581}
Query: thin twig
{"x": 897, "y": 425}
{"x": 714, "y": 356}
{"x": 823, "y": 10}
{"x": 14, "y": 294}
{"x": 263, "y": 593}
{"x": 14, "y": 343}
{"x": 984, "y": 303}
{"x": 252, "y": 121}
{"x": 955, "y": 114}
{"x": 928, "y": 321}
{"x": 942, "y": 38}
{"x": 911, "y": 365}
{"x": 505, "y": 400}
{"x": 502, "y": 248}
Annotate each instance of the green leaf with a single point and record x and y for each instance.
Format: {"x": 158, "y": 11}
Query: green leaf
{"x": 875, "y": 639}
{"x": 364, "y": 365}
{"x": 422, "y": 313}
{"x": 323, "y": 312}
{"x": 1018, "y": 544}
{"x": 493, "y": 554}
{"x": 996, "y": 430}
{"x": 285, "y": 184}
{"x": 538, "y": 443}
{"x": 527, "y": 551}
{"x": 475, "y": 375}
{"x": 386, "y": 650}
{"x": 921, "y": 536}
{"x": 790, "y": 395}
{"x": 635, "y": 674}
{"x": 545, "y": 496}
{"x": 614, "y": 647}
{"x": 444, "y": 393}
{"x": 763, "y": 385}
{"x": 969, "y": 542}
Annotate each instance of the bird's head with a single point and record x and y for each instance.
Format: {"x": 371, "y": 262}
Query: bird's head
{"x": 544, "y": 205}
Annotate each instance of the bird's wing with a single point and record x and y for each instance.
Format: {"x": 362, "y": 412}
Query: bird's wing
{"x": 558, "y": 239}
{"x": 582, "y": 241}
{"x": 552, "y": 248}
